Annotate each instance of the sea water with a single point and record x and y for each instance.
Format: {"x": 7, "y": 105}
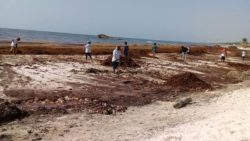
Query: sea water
{"x": 42, "y": 36}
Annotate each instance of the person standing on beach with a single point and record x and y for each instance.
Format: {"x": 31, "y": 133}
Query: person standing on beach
{"x": 184, "y": 51}
{"x": 126, "y": 49}
{"x": 14, "y": 45}
{"x": 188, "y": 50}
{"x": 243, "y": 55}
{"x": 116, "y": 58}
{"x": 87, "y": 48}
{"x": 223, "y": 55}
{"x": 224, "y": 50}
{"x": 154, "y": 49}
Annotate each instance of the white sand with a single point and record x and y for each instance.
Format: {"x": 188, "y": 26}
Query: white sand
{"x": 225, "y": 119}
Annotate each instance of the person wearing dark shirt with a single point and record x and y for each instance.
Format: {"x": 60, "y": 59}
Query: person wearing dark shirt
{"x": 154, "y": 49}
{"x": 126, "y": 49}
{"x": 184, "y": 51}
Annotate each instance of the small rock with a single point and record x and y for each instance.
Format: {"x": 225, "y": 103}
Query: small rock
{"x": 45, "y": 130}
{"x": 66, "y": 131}
{"x": 36, "y": 134}
{"x": 29, "y": 131}
{"x": 61, "y": 135}
{"x": 67, "y": 98}
{"x": 3, "y": 130}
{"x": 182, "y": 103}
{"x": 71, "y": 125}
{"x": 108, "y": 112}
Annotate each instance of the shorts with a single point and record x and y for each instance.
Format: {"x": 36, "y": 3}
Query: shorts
{"x": 222, "y": 57}
{"x": 88, "y": 54}
{"x": 115, "y": 64}
{"x": 184, "y": 53}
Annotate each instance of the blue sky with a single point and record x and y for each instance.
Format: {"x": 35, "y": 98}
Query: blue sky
{"x": 172, "y": 20}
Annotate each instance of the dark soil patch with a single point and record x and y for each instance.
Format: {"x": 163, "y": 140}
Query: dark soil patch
{"x": 9, "y": 112}
{"x": 50, "y": 102}
{"x": 124, "y": 62}
{"x": 62, "y": 105}
{"x": 196, "y": 51}
{"x": 93, "y": 70}
{"x": 98, "y": 100}
{"x": 5, "y": 137}
{"x": 187, "y": 81}
{"x": 123, "y": 92}
{"x": 239, "y": 66}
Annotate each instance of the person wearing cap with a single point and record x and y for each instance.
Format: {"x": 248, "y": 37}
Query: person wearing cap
{"x": 116, "y": 57}
{"x": 154, "y": 49}
{"x": 87, "y": 48}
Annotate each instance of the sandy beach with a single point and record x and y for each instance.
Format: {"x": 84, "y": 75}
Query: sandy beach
{"x": 68, "y": 98}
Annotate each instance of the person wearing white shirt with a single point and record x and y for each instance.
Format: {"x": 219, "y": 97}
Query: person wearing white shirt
{"x": 222, "y": 57}
{"x": 243, "y": 55}
{"x": 116, "y": 58}
{"x": 13, "y": 45}
{"x": 87, "y": 48}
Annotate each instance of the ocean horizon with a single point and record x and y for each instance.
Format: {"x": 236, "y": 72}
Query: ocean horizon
{"x": 7, "y": 34}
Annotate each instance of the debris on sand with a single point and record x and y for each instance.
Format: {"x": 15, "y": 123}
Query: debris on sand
{"x": 90, "y": 70}
{"x": 239, "y": 66}
{"x": 182, "y": 103}
{"x": 9, "y": 111}
{"x": 238, "y": 76}
{"x": 187, "y": 81}
{"x": 93, "y": 70}
{"x": 124, "y": 62}
{"x": 63, "y": 104}
{"x": 107, "y": 108}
